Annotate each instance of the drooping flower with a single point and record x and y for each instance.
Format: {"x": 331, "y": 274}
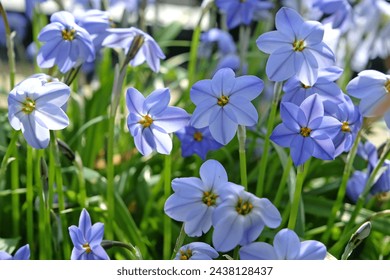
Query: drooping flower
{"x": 150, "y": 120}
{"x": 306, "y": 130}
{"x": 224, "y": 102}
{"x": 350, "y": 122}
{"x": 240, "y": 218}
{"x": 196, "y": 141}
{"x": 355, "y": 185}
{"x": 123, "y": 38}
{"x": 241, "y": 12}
{"x": 195, "y": 199}
{"x": 34, "y": 107}
{"x": 196, "y": 251}
{"x": 286, "y": 246}
{"x": 96, "y": 23}
{"x": 372, "y": 88}
{"x": 296, "y": 91}
{"x": 295, "y": 48}
{"x": 66, "y": 43}
{"x": 87, "y": 239}
{"x": 23, "y": 253}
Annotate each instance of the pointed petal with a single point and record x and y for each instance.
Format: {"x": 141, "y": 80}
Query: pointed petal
{"x": 213, "y": 173}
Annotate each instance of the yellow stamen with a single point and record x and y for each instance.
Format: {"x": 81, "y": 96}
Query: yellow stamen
{"x": 223, "y": 100}
{"x": 305, "y": 131}
{"x": 146, "y": 121}
{"x": 387, "y": 86}
{"x": 68, "y": 34}
{"x": 185, "y": 255}
{"x": 198, "y": 136}
{"x": 87, "y": 248}
{"x": 209, "y": 198}
{"x": 28, "y": 106}
{"x": 243, "y": 208}
{"x": 299, "y": 45}
{"x": 345, "y": 127}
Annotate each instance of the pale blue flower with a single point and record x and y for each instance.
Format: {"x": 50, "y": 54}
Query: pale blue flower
{"x": 286, "y": 246}
{"x": 196, "y": 251}
{"x": 224, "y": 102}
{"x": 195, "y": 199}
{"x": 66, "y": 43}
{"x": 87, "y": 239}
{"x": 150, "y": 120}
{"x": 295, "y": 48}
{"x": 23, "y": 253}
{"x": 240, "y": 218}
{"x": 34, "y": 106}
{"x": 123, "y": 38}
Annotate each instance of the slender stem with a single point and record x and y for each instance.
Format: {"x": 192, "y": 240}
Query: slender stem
{"x": 81, "y": 182}
{"x": 282, "y": 184}
{"x": 30, "y": 198}
{"x": 270, "y": 125}
{"x": 297, "y": 197}
{"x": 241, "y": 134}
{"x": 43, "y": 244}
{"x": 342, "y": 190}
{"x": 10, "y": 47}
{"x": 107, "y": 244}
{"x": 10, "y": 150}
{"x": 110, "y": 179}
{"x": 61, "y": 197}
{"x": 167, "y": 220}
{"x": 15, "y": 196}
{"x": 179, "y": 241}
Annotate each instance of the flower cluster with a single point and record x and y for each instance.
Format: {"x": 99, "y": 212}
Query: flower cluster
{"x": 238, "y": 217}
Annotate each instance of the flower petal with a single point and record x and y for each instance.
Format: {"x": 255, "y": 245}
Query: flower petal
{"x": 281, "y": 64}
{"x": 157, "y": 101}
{"x": 218, "y": 175}
{"x": 258, "y": 251}
{"x": 135, "y": 101}
{"x": 172, "y": 119}
{"x": 223, "y": 82}
{"x": 287, "y": 244}
{"x": 222, "y": 128}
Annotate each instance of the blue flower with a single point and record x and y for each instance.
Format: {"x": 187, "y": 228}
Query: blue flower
{"x": 66, "y": 43}
{"x": 150, "y": 51}
{"x": 240, "y": 218}
{"x": 287, "y": 246}
{"x": 295, "y": 48}
{"x": 150, "y": 120}
{"x": 224, "y": 102}
{"x": 96, "y": 23}
{"x": 368, "y": 152}
{"x": 306, "y": 130}
{"x": 350, "y": 122}
{"x": 296, "y": 91}
{"x": 195, "y": 199}
{"x": 87, "y": 239}
{"x": 196, "y": 251}
{"x": 34, "y": 106}
{"x": 338, "y": 12}
{"x": 355, "y": 185}
{"x": 241, "y": 12}
{"x": 372, "y": 88}
{"x": 196, "y": 141}
{"x": 22, "y": 254}
{"x": 221, "y": 38}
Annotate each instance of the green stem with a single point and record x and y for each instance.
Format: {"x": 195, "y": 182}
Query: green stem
{"x": 297, "y": 197}
{"x": 282, "y": 184}
{"x": 61, "y": 197}
{"x": 15, "y": 196}
{"x": 270, "y": 125}
{"x": 167, "y": 221}
{"x": 179, "y": 241}
{"x": 43, "y": 244}
{"x": 342, "y": 190}
{"x": 108, "y": 244}
{"x": 10, "y": 47}
{"x": 30, "y": 198}
{"x": 10, "y": 150}
{"x": 241, "y": 135}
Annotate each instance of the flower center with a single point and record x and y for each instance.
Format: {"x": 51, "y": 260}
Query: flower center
{"x": 223, "y": 100}
{"x": 209, "y": 198}
{"x": 387, "y": 86}
{"x": 28, "y": 106}
{"x": 198, "y": 136}
{"x": 298, "y": 45}
{"x": 146, "y": 121}
{"x": 185, "y": 255}
{"x": 305, "y": 131}
{"x": 345, "y": 127}
{"x": 87, "y": 248}
{"x": 305, "y": 86}
{"x": 68, "y": 34}
{"x": 243, "y": 207}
